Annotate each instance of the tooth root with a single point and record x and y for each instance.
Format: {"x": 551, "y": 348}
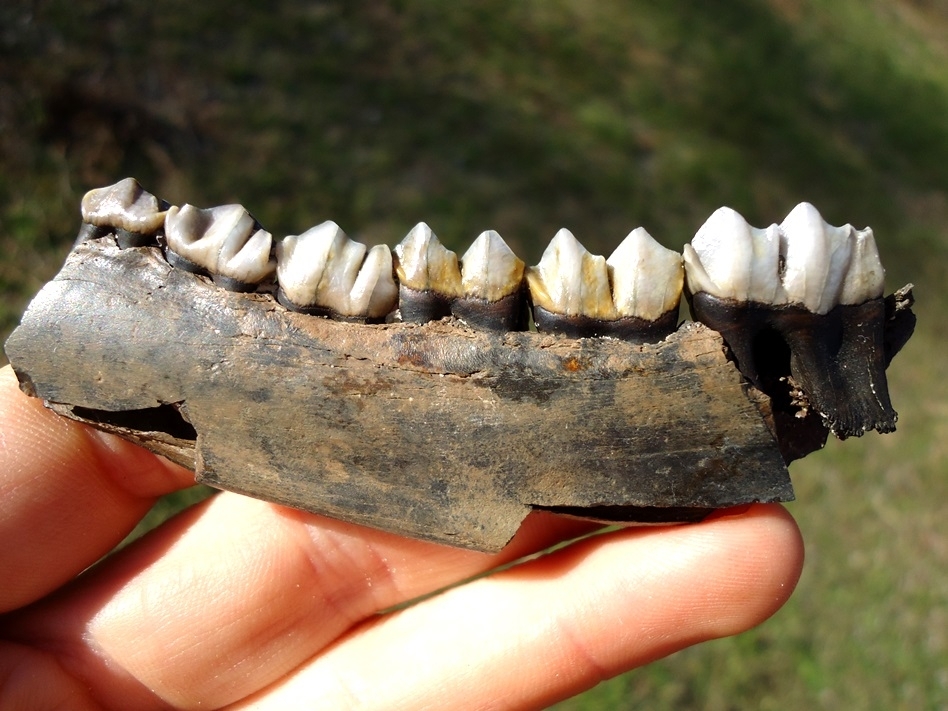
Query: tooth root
{"x": 646, "y": 277}
{"x": 324, "y": 272}
{"x": 429, "y": 278}
{"x": 492, "y": 284}
{"x": 224, "y": 241}
{"x": 134, "y": 214}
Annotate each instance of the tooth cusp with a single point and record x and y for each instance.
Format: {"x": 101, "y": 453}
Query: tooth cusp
{"x": 323, "y": 272}
{"x": 225, "y": 242}
{"x": 126, "y": 209}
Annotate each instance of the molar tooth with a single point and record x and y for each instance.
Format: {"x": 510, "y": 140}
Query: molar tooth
{"x": 429, "y": 277}
{"x": 634, "y": 295}
{"x": 492, "y": 285}
{"x": 646, "y": 277}
{"x": 732, "y": 260}
{"x": 821, "y": 329}
{"x": 225, "y": 242}
{"x": 324, "y": 272}
{"x": 135, "y": 215}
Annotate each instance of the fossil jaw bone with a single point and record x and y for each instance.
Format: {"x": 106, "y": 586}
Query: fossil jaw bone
{"x": 225, "y": 242}
{"x": 633, "y": 295}
{"x": 125, "y": 208}
{"x": 800, "y": 307}
{"x": 324, "y": 272}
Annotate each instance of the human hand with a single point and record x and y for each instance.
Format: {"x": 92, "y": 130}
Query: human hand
{"x": 242, "y": 604}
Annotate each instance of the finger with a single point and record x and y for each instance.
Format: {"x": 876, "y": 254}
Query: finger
{"x": 236, "y": 593}
{"x": 558, "y": 625}
{"x": 69, "y": 493}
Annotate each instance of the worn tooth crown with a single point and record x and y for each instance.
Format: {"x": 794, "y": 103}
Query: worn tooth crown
{"x": 819, "y": 261}
{"x": 324, "y": 268}
{"x": 816, "y": 257}
{"x": 489, "y": 268}
{"x": 424, "y": 264}
{"x": 571, "y": 281}
{"x": 125, "y": 205}
{"x": 865, "y": 279}
{"x": 803, "y": 261}
{"x": 646, "y": 277}
{"x": 224, "y": 240}
{"x": 732, "y": 260}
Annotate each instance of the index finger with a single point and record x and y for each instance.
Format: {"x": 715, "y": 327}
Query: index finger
{"x": 70, "y": 493}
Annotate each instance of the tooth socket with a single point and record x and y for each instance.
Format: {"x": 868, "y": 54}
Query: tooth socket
{"x": 506, "y": 314}
{"x": 422, "y": 306}
{"x": 629, "y": 328}
{"x": 837, "y": 360}
{"x": 322, "y": 311}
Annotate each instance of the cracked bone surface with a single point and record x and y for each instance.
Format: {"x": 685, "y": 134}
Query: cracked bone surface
{"x": 224, "y": 241}
{"x": 125, "y": 206}
{"x": 633, "y": 295}
{"x": 429, "y": 277}
{"x": 803, "y": 286}
{"x": 322, "y": 271}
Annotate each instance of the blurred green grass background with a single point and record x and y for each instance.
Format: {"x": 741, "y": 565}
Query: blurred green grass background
{"x": 595, "y": 115}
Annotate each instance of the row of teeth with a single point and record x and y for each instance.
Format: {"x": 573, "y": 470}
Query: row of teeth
{"x": 802, "y": 262}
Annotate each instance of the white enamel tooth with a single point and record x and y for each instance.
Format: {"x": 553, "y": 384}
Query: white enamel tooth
{"x": 646, "y": 277}
{"x": 125, "y": 205}
{"x": 374, "y": 293}
{"x": 816, "y": 258}
{"x": 323, "y": 268}
{"x": 571, "y": 281}
{"x": 225, "y": 240}
{"x": 865, "y": 279}
{"x": 730, "y": 259}
{"x": 489, "y": 268}
{"x": 424, "y": 264}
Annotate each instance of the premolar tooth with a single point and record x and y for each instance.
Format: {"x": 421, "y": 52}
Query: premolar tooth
{"x": 570, "y": 281}
{"x": 732, "y": 260}
{"x": 492, "y": 285}
{"x": 646, "y": 278}
{"x": 135, "y": 215}
{"x": 324, "y": 272}
{"x": 429, "y": 278}
{"x": 634, "y": 295}
{"x": 225, "y": 242}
